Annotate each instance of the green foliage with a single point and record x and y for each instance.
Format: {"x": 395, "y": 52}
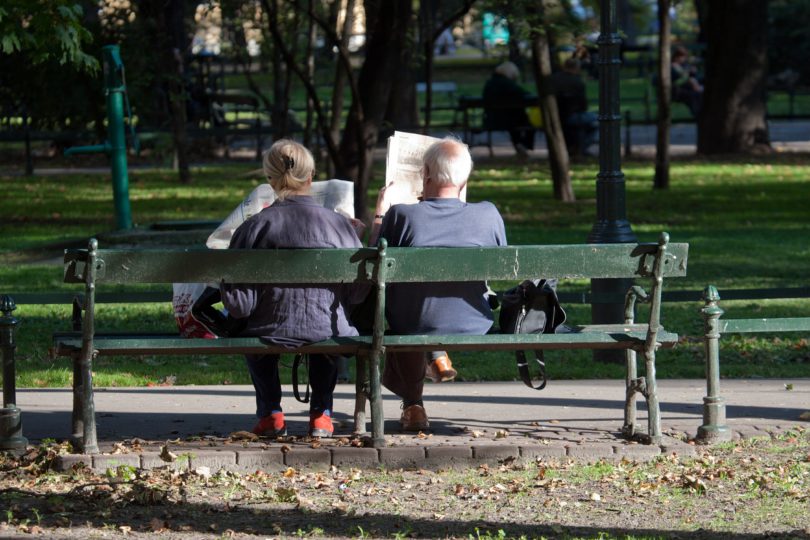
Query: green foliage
{"x": 46, "y": 29}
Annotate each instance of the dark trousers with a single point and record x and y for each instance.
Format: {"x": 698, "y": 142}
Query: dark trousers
{"x": 264, "y": 374}
{"x": 404, "y": 374}
{"x": 524, "y": 136}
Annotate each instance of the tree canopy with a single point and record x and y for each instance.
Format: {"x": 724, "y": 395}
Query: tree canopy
{"x": 44, "y": 30}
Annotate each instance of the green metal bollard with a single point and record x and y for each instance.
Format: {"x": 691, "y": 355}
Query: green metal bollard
{"x": 10, "y": 421}
{"x": 714, "y": 428}
{"x": 116, "y": 144}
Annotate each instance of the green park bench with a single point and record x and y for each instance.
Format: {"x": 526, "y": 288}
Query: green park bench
{"x": 377, "y": 267}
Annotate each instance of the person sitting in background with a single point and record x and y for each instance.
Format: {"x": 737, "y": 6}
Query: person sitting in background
{"x": 685, "y": 86}
{"x": 579, "y": 125}
{"x": 293, "y": 316}
{"x": 504, "y": 108}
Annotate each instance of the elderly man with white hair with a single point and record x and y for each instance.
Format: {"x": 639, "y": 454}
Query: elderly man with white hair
{"x": 440, "y": 219}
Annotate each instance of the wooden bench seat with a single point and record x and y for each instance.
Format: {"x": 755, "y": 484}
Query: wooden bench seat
{"x": 376, "y": 268}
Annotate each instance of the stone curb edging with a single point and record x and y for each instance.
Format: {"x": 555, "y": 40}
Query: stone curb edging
{"x": 397, "y": 457}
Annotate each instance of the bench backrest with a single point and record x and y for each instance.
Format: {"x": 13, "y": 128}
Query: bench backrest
{"x": 302, "y": 266}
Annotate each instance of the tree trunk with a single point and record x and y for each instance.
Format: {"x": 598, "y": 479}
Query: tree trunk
{"x": 661, "y": 180}
{"x": 169, "y": 40}
{"x": 340, "y": 74}
{"x": 403, "y": 105}
{"x": 312, "y": 35}
{"x": 386, "y": 33}
{"x": 557, "y": 151}
{"x": 733, "y": 119}
{"x": 278, "y": 116}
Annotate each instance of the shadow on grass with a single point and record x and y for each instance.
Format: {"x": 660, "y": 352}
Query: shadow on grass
{"x": 90, "y": 514}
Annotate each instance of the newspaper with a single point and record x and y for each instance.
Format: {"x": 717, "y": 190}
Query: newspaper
{"x": 337, "y": 195}
{"x": 403, "y": 165}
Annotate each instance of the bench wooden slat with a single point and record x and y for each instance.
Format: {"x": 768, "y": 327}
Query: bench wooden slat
{"x": 591, "y": 336}
{"x": 750, "y": 326}
{"x": 333, "y": 266}
{"x": 233, "y": 266}
{"x": 528, "y": 262}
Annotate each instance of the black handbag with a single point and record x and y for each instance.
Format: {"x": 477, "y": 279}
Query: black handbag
{"x": 214, "y": 320}
{"x": 531, "y": 308}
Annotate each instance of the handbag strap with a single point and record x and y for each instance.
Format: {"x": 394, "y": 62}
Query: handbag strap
{"x": 300, "y": 359}
{"x": 522, "y": 362}
{"x": 523, "y": 369}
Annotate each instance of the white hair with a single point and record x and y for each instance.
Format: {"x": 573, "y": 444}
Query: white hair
{"x": 448, "y": 162}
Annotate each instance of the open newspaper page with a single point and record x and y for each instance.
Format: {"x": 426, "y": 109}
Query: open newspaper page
{"x": 337, "y": 195}
{"x": 403, "y": 166}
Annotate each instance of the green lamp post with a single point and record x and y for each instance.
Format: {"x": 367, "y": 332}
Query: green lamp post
{"x": 611, "y": 224}
{"x": 116, "y": 144}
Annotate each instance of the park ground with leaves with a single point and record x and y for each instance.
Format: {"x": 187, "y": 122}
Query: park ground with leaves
{"x": 750, "y": 489}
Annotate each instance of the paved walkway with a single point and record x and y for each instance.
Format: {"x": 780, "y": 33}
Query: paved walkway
{"x": 471, "y": 423}
{"x": 786, "y": 136}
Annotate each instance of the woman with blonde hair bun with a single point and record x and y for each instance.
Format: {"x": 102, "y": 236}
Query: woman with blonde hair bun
{"x": 293, "y": 315}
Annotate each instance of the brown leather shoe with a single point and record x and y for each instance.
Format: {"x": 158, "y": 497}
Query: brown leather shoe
{"x": 414, "y": 418}
{"x": 441, "y": 370}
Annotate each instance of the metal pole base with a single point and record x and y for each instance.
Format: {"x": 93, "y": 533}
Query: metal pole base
{"x": 714, "y": 428}
{"x": 713, "y": 434}
{"x": 11, "y": 430}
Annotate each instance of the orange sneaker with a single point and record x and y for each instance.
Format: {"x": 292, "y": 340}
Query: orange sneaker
{"x": 441, "y": 370}
{"x": 271, "y": 426}
{"x": 414, "y": 418}
{"x": 320, "y": 425}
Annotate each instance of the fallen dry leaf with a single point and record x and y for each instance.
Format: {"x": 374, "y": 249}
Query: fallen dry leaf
{"x": 243, "y": 436}
{"x": 167, "y": 455}
{"x": 157, "y": 525}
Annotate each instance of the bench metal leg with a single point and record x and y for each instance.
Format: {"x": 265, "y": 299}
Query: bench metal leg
{"x": 633, "y": 383}
{"x": 361, "y": 393}
{"x": 651, "y": 393}
{"x": 714, "y": 428}
{"x": 77, "y": 420}
{"x": 631, "y": 389}
{"x": 375, "y": 398}
{"x": 88, "y": 444}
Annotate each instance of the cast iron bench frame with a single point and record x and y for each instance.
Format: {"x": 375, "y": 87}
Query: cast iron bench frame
{"x": 378, "y": 267}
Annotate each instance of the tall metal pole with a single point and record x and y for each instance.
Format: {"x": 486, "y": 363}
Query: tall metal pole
{"x": 116, "y": 144}
{"x": 611, "y": 224}
{"x": 114, "y": 88}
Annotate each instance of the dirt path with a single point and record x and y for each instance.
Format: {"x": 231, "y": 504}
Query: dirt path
{"x": 753, "y": 489}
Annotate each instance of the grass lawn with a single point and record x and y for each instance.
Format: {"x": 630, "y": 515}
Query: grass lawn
{"x": 746, "y": 222}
